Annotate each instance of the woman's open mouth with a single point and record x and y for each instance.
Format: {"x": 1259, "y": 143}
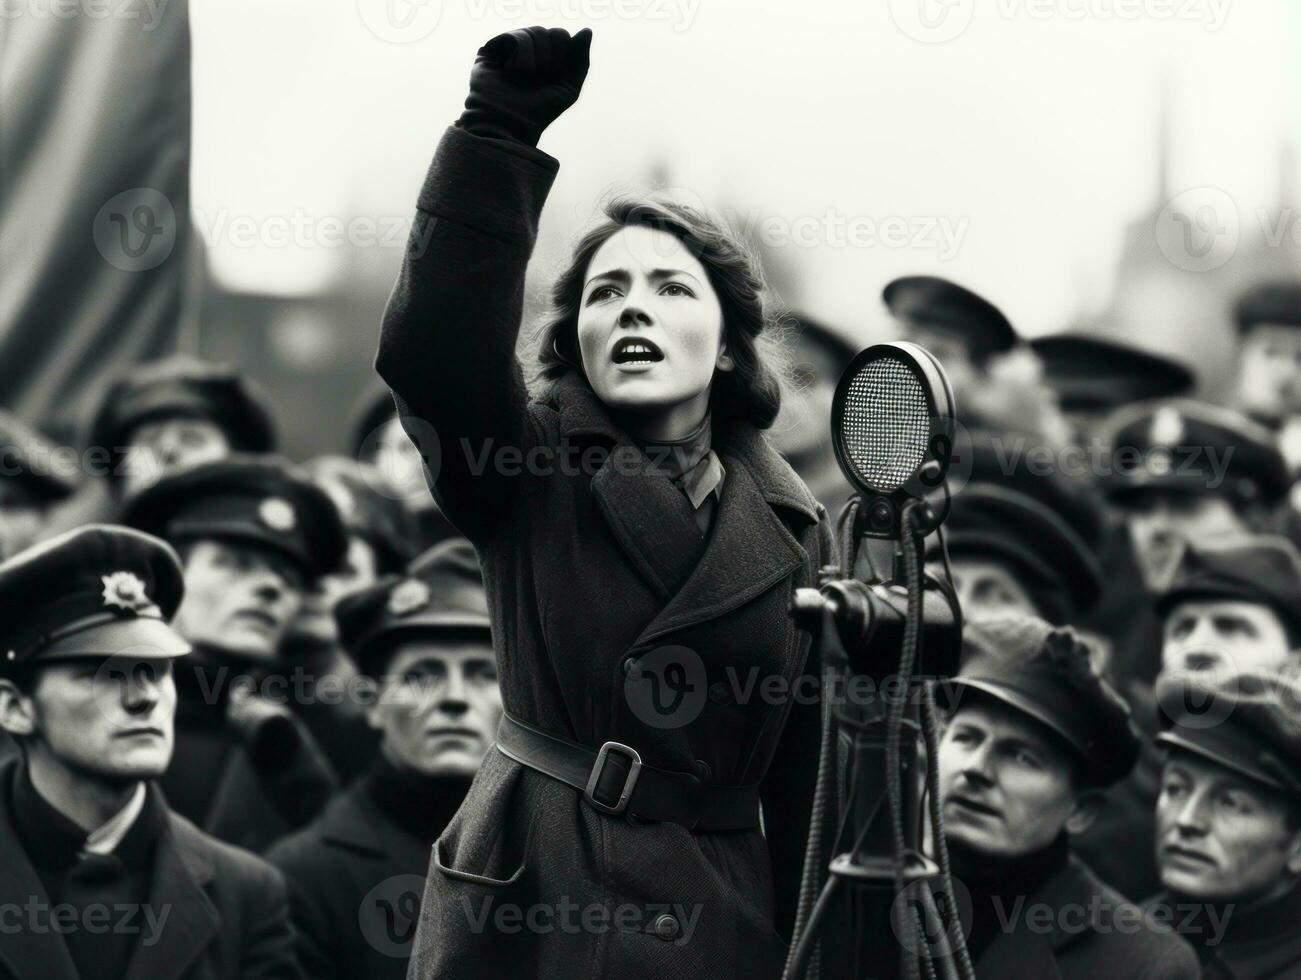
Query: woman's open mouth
{"x": 633, "y": 350}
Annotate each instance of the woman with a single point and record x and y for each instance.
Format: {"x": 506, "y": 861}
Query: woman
{"x": 641, "y": 543}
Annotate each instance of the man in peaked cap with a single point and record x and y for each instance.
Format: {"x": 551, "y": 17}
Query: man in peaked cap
{"x": 1033, "y": 733}
{"x": 105, "y": 880}
{"x": 1269, "y": 352}
{"x": 1093, "y": 376}
{"x": 378, "y": 531}
{"x": 424, "y": 640}
{"x": 252, "y": 532}
{"x": 178, "y": 412}
{"x": 34, "y": 476}
{"x": 1234, "y": 605}
{"x": 1229, "y": 822}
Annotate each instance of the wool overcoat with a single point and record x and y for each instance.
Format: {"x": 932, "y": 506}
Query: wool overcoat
{"x": 597, "y": 577}
{"x": 220, "y": 911}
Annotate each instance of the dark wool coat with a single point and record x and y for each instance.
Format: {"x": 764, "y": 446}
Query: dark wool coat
{"x": 1084, "y": 931}
{"x": 227, "y": 912}
{"x": 1262, "y": 943}
{"x": 355, "y": 881}
{"x": 590, "y": 569}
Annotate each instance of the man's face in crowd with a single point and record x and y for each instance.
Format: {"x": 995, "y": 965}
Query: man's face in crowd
{"x": 315, "y": 619}
{"x": 110, "y": 718}
{"x": 989, "y": 587}
{"x": 1223, "y": 635}
{"x": 239, "y": 598}
{"x": 165, "y": 445}
{"x": 1269, "y": 371}
{"x": 1007, "y": 789}
{"x": 1161, "y": 522}
{"x": 1220, "y": 836}
{"x": 21, "y": 518}
{"x": 438, "y": 704}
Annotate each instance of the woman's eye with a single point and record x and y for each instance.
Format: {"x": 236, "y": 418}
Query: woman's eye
{"x": 676, "y": 289}
{"x": 601, "y": 293}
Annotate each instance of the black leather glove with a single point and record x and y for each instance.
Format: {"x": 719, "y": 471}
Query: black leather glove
{"x": 522, "y": 82}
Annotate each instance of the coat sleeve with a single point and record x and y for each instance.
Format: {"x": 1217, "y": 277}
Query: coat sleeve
{"x": 787, "y": 790}
{"x": 447, "y": 344}
{"x": 268, "y": 949}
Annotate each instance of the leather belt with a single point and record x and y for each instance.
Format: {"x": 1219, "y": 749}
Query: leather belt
{"x": 614, "y": 781}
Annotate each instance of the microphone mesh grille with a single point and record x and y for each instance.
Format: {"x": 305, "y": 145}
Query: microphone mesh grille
{"x": 886, "y": 423}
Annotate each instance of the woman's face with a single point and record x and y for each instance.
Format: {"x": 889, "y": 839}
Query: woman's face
{"x": 650, "y": 330}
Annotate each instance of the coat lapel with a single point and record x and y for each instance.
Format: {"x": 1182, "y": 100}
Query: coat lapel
{"x": 26, "y": 952}
{"x": 181, "y": 870}
{"x": 1020, "y": 952}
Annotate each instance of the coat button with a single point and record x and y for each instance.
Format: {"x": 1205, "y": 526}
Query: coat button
{"x": 630, "y": 666}
{"x": 666, "y": 927}
{"x": 720, "y": 693}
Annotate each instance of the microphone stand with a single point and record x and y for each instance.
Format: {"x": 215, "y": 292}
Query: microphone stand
{"x": 877, "y": 913}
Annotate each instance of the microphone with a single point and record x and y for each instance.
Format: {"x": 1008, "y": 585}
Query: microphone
{"x": 892, "y": 425}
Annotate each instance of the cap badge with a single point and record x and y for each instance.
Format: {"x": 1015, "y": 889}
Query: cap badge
{"x": 1167, "y": 427}
{"x": 277, "y": 514}
{"x": 407, "y": 597}
{"x": 126, "y": 591}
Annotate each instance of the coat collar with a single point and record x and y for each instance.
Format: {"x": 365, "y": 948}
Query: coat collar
{"x": 1021, "y": 953}
{"x": 181, "y": 870}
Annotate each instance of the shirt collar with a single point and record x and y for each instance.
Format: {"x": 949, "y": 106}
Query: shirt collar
{"x": 106, "y": 838}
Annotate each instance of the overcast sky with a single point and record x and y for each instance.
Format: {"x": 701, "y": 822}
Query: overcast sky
{"x": 1003, "y": 143}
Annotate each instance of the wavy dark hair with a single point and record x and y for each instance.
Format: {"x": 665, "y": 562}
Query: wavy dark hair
{"x": 751, "y": 391}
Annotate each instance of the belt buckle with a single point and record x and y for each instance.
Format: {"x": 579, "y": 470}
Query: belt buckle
{"x": 628, "y": 784}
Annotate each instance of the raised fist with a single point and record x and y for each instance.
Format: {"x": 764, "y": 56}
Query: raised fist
{"x": 522, "y": 82}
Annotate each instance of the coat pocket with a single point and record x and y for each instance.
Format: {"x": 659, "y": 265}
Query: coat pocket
{"x": 488, "y": 842}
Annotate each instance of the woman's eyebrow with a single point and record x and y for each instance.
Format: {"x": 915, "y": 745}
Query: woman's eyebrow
{"x": 623, "y": 276}
{"x": 616, "y": 275}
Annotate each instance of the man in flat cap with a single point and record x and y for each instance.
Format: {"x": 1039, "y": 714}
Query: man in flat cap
{"x": 1234, "y": 606}
{"x": 997, "y": 380}
{"x": 1093, "y": 375}
{"x": 35, "y": 475}
{"x": 1032, "y": 734}
{"x": 177, "y": 412}
{"x": 356, "y": 875}
{"x": 1022, "y": 538}
{"x": 1269, "y": 361}
{"x": 98, "y": 877}
{"x": 379, "y": 530}
{"x": 252, "y": 532}
{"x": 1228, "y": 822}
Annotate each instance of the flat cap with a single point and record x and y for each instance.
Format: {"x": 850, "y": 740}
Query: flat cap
{"x": 96, "y": 591}
{"x": 1264, "y": 569}
{"x": 1093, "y": 374}
{"x": 938, "y": 304}
{"x": 1181, "y": 444}
{"x": 1045, "y": 673}
{"x": 1272, "y": 302}
{"x": 260, "y": 499}
{"x": 378, "y": 519}
{"x": 185, "y": 386}
{"x": 1247, "y": 722}
{"x": 442, "y": 590}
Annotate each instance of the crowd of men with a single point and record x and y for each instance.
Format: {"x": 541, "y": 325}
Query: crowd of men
{"x": 240, "y": 698}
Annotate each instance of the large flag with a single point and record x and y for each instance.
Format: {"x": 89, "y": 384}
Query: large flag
{"x": 94, "y": 197}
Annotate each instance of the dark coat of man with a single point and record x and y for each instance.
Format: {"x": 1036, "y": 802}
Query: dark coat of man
{"x": 1257, "y": 943}
{"x": 356, "y": 875}
{"x": 598, "y": 577}
{"x": 1073, "y": 927}
{"x": 227, "y": 912}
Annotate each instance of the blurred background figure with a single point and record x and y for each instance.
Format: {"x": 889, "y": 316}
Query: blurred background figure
{"x": 379, "y": 533}
{"x": 1092, "y": 376}
{"x": 423, "y": 639}
{"x": 35, "y": 475}
{"x": 251, "y": 532}
{"x": 1269, "y": 361}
